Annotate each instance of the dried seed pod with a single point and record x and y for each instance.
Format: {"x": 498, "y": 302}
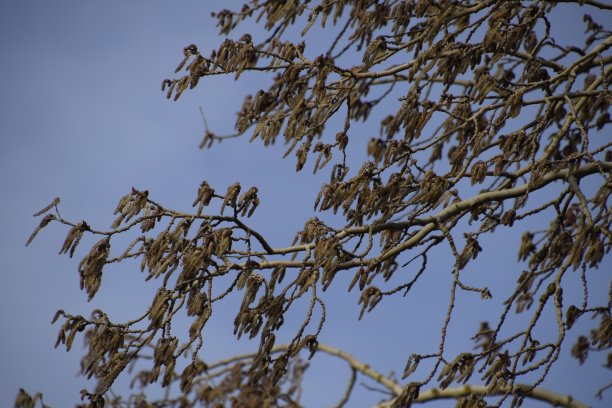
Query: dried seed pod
{"x": 231, "y": 196}
{"x": 43, "y": 223}
{"x": 73, "y": 238}
{"x": 205, "y": 195}
{"x": 53, "y": 203}
{"x": 90, "y": 268}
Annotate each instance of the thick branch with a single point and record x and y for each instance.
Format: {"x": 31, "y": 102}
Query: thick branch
{"x": 363, "y": 368}
{"x": 430, "y": 223}
{"x": 553, "y": 398}
{"x": 541, "y": 394}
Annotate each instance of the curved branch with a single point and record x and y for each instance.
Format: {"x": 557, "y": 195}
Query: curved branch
{"x": 430, "y": 223}
{"x": 541, "y": 394}
{"x": 357, "y": 365}
{"x": 593, "y": 3}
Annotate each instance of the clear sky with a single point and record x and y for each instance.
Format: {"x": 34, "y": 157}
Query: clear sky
{"x": 82, "y": 117}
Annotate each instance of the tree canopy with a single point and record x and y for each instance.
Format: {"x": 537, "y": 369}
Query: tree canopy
{"x": 485, "y": 122}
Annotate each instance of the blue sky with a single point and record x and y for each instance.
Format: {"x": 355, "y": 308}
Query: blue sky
{"x": 83, "y": 118}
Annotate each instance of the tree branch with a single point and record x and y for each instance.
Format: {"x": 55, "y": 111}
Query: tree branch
{"x": 540, "y": 394}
